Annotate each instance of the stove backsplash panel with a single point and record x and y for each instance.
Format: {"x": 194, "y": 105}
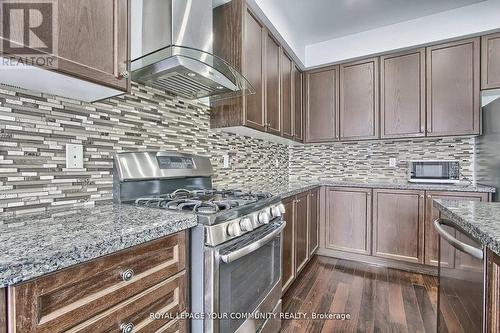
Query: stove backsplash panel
{"x": 34, "y": 129}
{"x": 369, "y": 160}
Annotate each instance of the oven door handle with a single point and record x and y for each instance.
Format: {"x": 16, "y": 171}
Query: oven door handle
{"x": 461, "y": 246}
{"x": 235, "y": 255}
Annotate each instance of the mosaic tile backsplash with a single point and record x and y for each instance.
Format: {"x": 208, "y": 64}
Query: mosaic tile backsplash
{"x": 369, "y": 161}
{"x": 34, "y": 129}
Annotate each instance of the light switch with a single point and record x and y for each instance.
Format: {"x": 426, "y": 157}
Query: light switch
{"x": 74, "y": 156}
{"x": 277, "y": 163}
{"x": 226, "y": 161}
{"x": 392, "y": 162}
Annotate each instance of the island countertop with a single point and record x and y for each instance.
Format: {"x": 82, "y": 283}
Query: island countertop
{"x": 480, "y": 219}
{"x": 34, "y": 245}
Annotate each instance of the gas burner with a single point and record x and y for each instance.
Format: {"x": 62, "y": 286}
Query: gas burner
{"x": 252, "y": 195}
{"x": 152, "y": 202}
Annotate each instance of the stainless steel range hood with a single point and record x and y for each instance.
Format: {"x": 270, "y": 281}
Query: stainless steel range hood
{"x": 172, "y": 50}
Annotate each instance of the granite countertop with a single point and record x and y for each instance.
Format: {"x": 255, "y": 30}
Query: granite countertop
{"x": 480, "y": 219}
{"x": 295, "y": 188}
{"x": 34, "y": 245}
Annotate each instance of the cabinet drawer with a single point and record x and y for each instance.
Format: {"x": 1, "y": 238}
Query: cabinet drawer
{"x": 165, "y": 300}
{"x": 64, "y": 299}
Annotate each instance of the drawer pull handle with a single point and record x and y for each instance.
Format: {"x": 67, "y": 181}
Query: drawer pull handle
{"x": 127, "y": 328}
{"x": 127, "y": 275}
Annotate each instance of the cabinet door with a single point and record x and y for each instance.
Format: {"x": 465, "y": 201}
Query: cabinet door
{"x": 402, "y": 94}
{"x": 273, "y": 112}
{"x": 287, "y": 259}
{"x": 287, "y": 95}
{"x": 453, "y": 88}
{"x": 253, "y": 67}
{"x": 490, "y": 61}
{"x": 313, "y": 228}
{"x": 348, "y": 219}
{"x": 301, "y": 236}
{"x": 358, "y": 113}
{"x": 298, "y": 109}
{"x": 431, "y": 237}
{"x": 322, "y": 105}
{"x": 398, "y": 219}
{"x": 493, "y": 292}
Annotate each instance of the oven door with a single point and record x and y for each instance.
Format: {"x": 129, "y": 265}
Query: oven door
{"x": 250, "y": 278}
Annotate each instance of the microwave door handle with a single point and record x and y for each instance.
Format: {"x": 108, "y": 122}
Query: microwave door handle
{"x": 461, "y": 246}
{"x": 235, "y": 255}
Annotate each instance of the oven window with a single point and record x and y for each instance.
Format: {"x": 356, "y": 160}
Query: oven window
{"x": 430, "y": 170}
{"x": 245, "y": 282}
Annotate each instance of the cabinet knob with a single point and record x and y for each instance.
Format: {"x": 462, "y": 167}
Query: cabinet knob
{"x": 124, "y": 74}
{"x": 421, "y": 195}
{"x": 429, "y": 196}
{"x": 127, "y": 274}
{"x": 127, "y": 328}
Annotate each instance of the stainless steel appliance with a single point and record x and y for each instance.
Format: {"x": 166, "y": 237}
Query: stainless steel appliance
{"x": 461, "y": 301}
{"x": 487, "y": 161}
{"x": 172, "y": 50}
{"x": 434, "y": 171}
{"x": 235, "y": 249}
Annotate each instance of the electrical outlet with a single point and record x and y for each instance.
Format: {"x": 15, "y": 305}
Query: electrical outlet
{"x": 226, "y": 161}
{"x": 74, "y": 156}
{"x": 276, "y": 163}
{"x": 392, "y": 162}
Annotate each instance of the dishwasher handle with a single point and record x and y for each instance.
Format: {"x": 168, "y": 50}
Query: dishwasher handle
{"x": 461, "y": 246}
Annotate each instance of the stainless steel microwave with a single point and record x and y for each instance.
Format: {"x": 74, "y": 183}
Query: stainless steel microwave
{"x": 434, "y": 171}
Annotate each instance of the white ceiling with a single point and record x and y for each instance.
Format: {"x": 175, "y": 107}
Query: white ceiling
{"x": 314, "y": 21}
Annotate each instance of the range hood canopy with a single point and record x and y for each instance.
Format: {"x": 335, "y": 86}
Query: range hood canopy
{"x": 174, "y": 51}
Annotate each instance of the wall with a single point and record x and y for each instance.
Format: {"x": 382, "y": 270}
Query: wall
{"x": 34, "y": 129}
{"x": 369, "y": 161}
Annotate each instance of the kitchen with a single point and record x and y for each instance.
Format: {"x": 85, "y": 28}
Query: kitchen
{"x": 249, "y": 166}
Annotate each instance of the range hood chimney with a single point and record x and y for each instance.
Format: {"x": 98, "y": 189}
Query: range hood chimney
{"x": 172, "y": 51}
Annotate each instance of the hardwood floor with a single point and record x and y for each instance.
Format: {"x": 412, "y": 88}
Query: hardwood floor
{"x": 378, "y": 299}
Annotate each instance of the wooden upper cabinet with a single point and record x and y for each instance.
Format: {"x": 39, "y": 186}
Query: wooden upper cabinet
{"x": 431, "y": 237}
{"x": 253, "y": 70}
{"x": 322, "y": 104}
{"x": 490, "y": 61}
{"x": 272, "y": 75}
{"x": 453, "y": 88}
{"x": 298, "y": 107}
{"x": 348, "y": 219}
{"x": 402, "y": 94}
{"x": 358, "y": 112}
{"x": 301, "y": 229}
{"x": 287, "y": 101}
{"x": 398, "y": 219}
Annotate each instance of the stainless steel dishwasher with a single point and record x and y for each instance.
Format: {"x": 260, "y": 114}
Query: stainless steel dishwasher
{"x": 461, "y": 301}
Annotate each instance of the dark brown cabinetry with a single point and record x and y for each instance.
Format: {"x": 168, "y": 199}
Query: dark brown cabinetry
{"x": 92, "y": 41}
{"x": 106, "y": 293}
{"x": 272, "y": 75}
{"x": 402, "y": 94}
{"x": 287, "y": 101}
{"x": 298, "y": 107}
{"x": 492, "y": 292}
{"x": 288, "y": 256}
{"x": 301, "y": 232}
{"x": 322, "y": 104}
{"x": 313, "y": 211}
{"x": 398, "y": 220}
{"x": 359, "y": 96}
{"x": 431, "y": 237}
{"x": 348, "y": 219}
{"x": 490, "y": 61}
{"x": 453, "y": 88}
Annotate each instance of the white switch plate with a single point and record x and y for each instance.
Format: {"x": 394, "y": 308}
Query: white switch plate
{"x": 277, "y": 163}
{"x": 74, "y": 156}
{"x": 392, "y": 162}
{"x": 226, "y": 161}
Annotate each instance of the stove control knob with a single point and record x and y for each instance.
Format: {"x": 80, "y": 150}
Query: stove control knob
{"x": 281, "y": 207}
{"x": 277, "y": 210}
{"x": 264, "y": 217}
{"x": 233, "y": 229}
{"x": 246, "y": 224}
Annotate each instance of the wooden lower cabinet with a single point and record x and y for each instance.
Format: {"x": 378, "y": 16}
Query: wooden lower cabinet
{"x": 431, "y": 237}
{"x": 348, "y": 219}
{"x": 493, "y": 292}
{"x": 105, "y": 294}
{"x": 301, "y": 216}
{"x": 287, "y": 256}
{"x": 398, "y": 220}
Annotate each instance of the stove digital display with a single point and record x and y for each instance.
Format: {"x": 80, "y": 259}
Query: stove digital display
{"x": 175, "y": 162}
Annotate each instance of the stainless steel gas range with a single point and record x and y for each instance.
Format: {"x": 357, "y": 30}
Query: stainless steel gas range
{"x": 236, "y": 248}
